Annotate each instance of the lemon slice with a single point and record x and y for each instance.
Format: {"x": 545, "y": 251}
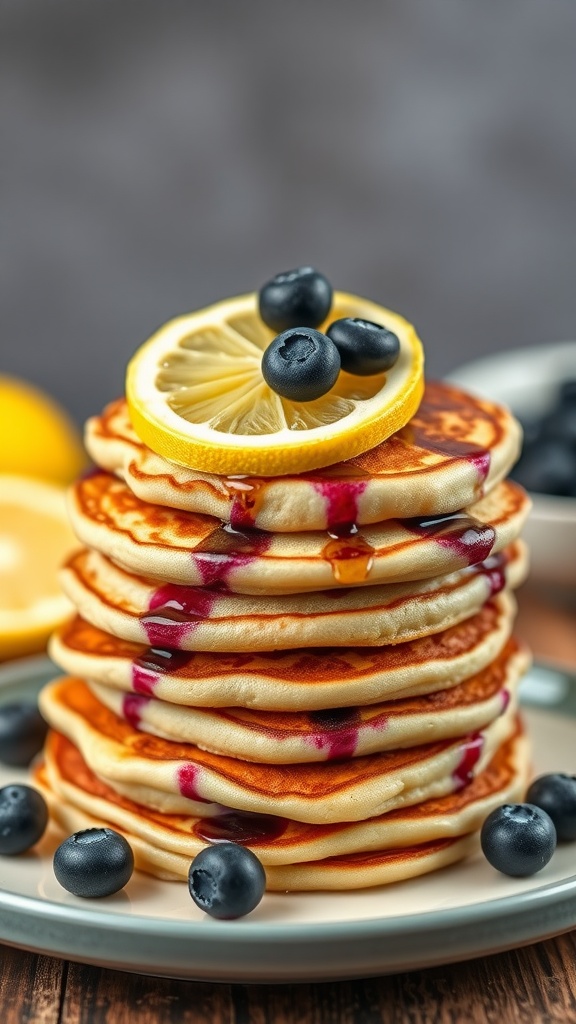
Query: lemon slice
{"x": 34, "y": 540}
{"x": 197, "y": 396}
{"x": 38, "y": 438}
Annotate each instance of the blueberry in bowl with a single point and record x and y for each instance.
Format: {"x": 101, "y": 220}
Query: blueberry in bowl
{"x": 539, "y": 386}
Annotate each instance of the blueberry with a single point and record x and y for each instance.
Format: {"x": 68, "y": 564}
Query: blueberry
{"x": 296, "y": 298}
{"x": 301, "y": 364}
{"x": 518, "y": 839}
{"x": 548, "y": 466}
{"x": 556, "y": 794}
{"x": 365, "y": 348}
{"x": 226, "y": 880}
{"x": 95, "y": 862}
{"x": 560, "y": 424}
{"x": 23, "y": 818}
{"x": 22, "y": 733}
{"x": 568, "y": 392}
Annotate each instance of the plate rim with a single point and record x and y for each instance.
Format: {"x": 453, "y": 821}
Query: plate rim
{"x": 277, "y": 952}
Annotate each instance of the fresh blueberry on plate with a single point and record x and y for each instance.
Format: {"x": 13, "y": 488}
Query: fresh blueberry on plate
{"x": 365, "y": 348}
{"x": 518, "y": 839}
{"x": 556, "y": 794}
{"x": 295, "y": 298}
{"x": 93, "y": 863}
{"x": 226, "y": 880}
{"x": 301, "y": 364}
{"x": 22, "y": 733}
{"x": 23, "y": 818}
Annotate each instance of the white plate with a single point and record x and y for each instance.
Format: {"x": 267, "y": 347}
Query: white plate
{"x": 153, "y": 927}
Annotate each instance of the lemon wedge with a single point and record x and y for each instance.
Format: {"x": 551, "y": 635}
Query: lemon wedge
{"x": 197, "y": 396}
{"x": 34, "y": 540}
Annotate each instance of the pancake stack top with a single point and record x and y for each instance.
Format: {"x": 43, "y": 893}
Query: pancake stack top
{"x": 318, "y": 665}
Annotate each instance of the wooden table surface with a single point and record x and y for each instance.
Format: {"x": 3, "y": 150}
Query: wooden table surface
{"x": 524, "y": 986}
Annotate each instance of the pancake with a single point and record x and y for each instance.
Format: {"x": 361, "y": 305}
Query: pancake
{"x": 348, "y": 790}
{"x": 335, "y": 733}
{"x": 456, "y": 448}
{"x": 166, "y": 844}
{"x": 307, "y": 680}
{"x": 198, "y": 550}
{"x": 193, "y": 618}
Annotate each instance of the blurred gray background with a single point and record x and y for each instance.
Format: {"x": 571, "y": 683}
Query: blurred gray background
{"x": 157, "y": 155}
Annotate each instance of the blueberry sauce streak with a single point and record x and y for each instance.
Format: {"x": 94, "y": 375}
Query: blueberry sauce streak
{"x": 187, "y": 777}
{"x": 494, "y": 570}
{"x": 471, "y": 753}
{"x": 240, "y": 827}
{"x": 154, "y": 662}
{"x": 467, "y": 537}
{"x": 341, "y": 502}
{"x": 132, "y": 707}
{"x": 340, "y": 729}
{"x": 175, "y": 611}
{"x": 225, "y": 549}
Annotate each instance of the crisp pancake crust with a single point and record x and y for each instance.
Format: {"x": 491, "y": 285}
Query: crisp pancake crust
{"x": 454, "y": 449}
{"x": 195, "y": 618}
{"x": 187, "y": 548}
{"x": 348, "y": 790}
{"x": 75, "y": 791}
{"x": 305, "y": 680}
{"x": 294, "y": 737}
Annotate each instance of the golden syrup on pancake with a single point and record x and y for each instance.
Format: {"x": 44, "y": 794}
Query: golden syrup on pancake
{"x": 350, "y": 556}
{"x": 241, "y": 827}
{"x": 246, "y": 493}
{"x": 466, "y": 536}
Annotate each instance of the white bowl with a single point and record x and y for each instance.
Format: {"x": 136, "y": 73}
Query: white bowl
{"x": 527, "y": 380}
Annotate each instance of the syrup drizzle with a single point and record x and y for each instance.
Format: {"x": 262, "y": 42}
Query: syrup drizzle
{"x": 155, "y": 661}
{"x": 466, "y": 536}
{"x": 350, "y": 556}
{"x": 175, "y": 611}
{"x": 225, "y": 549}
{"x": 246, "y": 494}
{"x": 240, "y": 827}
{"x": 471, "y": 752}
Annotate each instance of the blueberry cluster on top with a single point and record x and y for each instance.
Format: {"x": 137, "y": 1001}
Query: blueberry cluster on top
{"x": 302, "y": 363}
{"x": 548, "y": 461}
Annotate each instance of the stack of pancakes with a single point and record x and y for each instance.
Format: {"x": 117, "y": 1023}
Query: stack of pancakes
{"x": 320, "y": 667}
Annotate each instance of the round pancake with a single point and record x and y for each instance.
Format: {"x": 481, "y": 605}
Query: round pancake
{"x": 197, "y": 550}
{"x": 306, "y": 680}
{"x": 454, "y": 450}
{"x": 195, "y": 618}
{"x": 296, "y": 737}
{"x": 72, "y": 789}
{"x": 349, "y": 790}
